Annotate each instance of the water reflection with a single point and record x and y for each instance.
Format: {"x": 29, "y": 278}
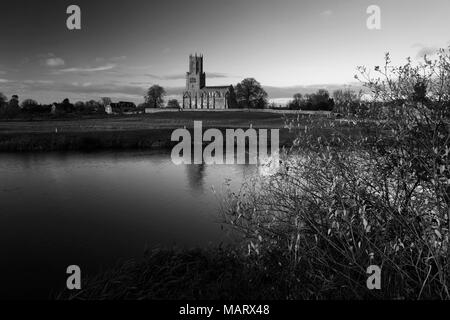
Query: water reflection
{"x": 196, "y": 175}
{"x": 94, "y": 209}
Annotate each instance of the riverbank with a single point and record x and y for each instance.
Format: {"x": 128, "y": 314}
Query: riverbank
{"x": 99, "y": 140}
{"x": 207, "y": 274}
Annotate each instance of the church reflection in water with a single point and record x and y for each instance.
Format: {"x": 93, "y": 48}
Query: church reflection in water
{"x": 196, "y": 176}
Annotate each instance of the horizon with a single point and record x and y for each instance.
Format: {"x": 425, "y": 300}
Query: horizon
{"x": 123, "y": 49}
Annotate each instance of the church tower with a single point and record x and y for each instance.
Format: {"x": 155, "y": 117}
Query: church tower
{"x": 195, "y": 78}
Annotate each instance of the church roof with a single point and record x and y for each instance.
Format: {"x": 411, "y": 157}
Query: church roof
{"x": 217, "y": 87}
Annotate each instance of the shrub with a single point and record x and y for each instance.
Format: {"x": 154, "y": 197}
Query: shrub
{"x": 338, "y": 205}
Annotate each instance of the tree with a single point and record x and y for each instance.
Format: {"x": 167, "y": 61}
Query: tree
{"x": 319, "y": 101}
{"x": 298, "y": 97}
{"x": 173, "y": 103}
{"x": 155, "y": 96}
{"x": 65, "y": 106}
{"x": 297, "y": 102}
{"x": 346, "y": 101}
{"x": 29, "y": 105}
{"x": 79, "y": 106}
{"x": 250, "y": 94}
{"x": 3, "y": 100}
{"x": 93, "y": 106}
{"x": 105, "y": 101}
{"x": 11, "y": 108}
{"x": 14, "y": 101}
{"x": 343, "y": 96}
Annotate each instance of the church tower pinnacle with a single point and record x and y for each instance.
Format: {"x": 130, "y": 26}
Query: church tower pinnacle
{"x": 195, "y": 78}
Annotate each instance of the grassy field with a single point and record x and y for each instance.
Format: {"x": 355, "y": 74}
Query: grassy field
{"x": 131, "y": 132}
{"x": 161, "y": 120}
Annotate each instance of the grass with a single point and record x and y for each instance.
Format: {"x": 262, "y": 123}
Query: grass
{"x": 201, "y": 274}
{"x": 132, "y": 132}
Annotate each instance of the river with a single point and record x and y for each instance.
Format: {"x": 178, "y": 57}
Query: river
{"x": 96, "y": 209}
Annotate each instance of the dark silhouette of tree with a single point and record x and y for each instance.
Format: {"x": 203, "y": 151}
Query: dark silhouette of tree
{"x": 29, "y": 105}
{"x": 79, "y": 106}
{"x": 11, "y": 108}
{"x": 14, "y": 101}
{"x": 298, "y": 97}
{"x": 250, "y": 94}
{"x": 154, "y": 97}
{"x": 3, "y": 100}
{"x": 65, "y": 106}
{"x": 318, "y": 101}
{"x": 297, "y": 102}
{"x": 106, "y": 101}
{"x": 173, "y": 103}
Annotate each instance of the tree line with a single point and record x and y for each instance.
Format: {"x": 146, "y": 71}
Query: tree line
{"x": 249, "y": 93}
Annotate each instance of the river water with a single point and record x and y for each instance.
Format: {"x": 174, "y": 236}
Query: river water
{"x": 95, "y": 209}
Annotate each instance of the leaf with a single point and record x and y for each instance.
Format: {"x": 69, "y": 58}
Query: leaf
{"x": 438, "y": 234}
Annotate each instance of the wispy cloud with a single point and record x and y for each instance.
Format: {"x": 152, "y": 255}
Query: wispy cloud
{"x": 38, "y": 82}
{"x": 85, "y": 88}
{"x": 326, "y": 13}
{"x": 426, "y": 51}
{"x": 112, "y": 59}
{"x": 167, "y": 77}
{"x": 86, "y": 69}
{"x": 181, "y": 76}
{"x": 217, "y": 75}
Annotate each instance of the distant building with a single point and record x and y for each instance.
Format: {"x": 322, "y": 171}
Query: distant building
{"x": 123, "y": 107}
{"x": 197, "y": 95}
{"x": 108, "y": 109}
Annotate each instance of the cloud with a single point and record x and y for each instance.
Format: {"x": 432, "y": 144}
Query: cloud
{"x": 182, "y": 76}
{"x": 426, "y": 51}
{"x": 54, "y": 62}
{"x": 326, "y": 13}
{"x": 85, "y": 88}
{"x": 167, "y": 77}
{"x": 46, "y": 59}
{"x": 217, "y": 75}
{"x": 112, "y": 59}
{"x": 38, "y": 82}
{"x": 5, "y": 81}
{"x": 87, "y": 69}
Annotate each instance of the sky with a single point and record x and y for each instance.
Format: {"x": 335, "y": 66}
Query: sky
{"x": 124, "y": 47}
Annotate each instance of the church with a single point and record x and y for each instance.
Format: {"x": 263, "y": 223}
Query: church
{"x": 197, "y": 95}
